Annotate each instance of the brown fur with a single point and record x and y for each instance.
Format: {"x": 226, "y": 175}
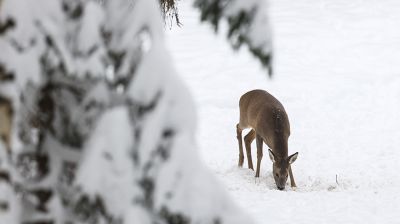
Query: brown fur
{"x": 267, "y": 118}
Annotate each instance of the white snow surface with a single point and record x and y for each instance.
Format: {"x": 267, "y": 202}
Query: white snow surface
{"x": 337, "y": 73}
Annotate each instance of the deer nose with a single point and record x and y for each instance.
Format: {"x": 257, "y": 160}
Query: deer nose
{"x": 281, "y": 188}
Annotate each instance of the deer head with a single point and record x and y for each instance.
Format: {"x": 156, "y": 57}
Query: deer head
{"x": 280, "y": 168}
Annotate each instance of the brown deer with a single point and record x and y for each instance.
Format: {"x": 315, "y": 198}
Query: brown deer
{"x": 269, "y": 123}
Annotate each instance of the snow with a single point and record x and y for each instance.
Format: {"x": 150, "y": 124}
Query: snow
{"x": 131, "y": 150}
{"x": 336, "y": 72}
{"x": 101, "y": 154}
{"x": 259, "y": 31}
{"x": 338, "y": 76}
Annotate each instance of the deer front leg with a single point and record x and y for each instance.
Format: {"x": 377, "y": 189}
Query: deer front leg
{"x": 292, "y": 183}
{"x": 248, "y": 139}
{"x": 259, "y": 142}
{"x": 239, "y": 137}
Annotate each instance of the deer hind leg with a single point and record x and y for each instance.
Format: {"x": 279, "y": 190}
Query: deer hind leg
{"x": 259, "y": 142}
{"x": 292, "y": 183}
{"x": 248, "y": 139}
{"x": 239, "y": 137}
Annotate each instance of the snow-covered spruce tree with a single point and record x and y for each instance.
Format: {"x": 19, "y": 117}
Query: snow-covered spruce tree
{"x": 101, "y": 128}
{"x": 248, "y": 24}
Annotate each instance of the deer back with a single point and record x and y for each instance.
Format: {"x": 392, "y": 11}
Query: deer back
{"x": 267, "y": 116}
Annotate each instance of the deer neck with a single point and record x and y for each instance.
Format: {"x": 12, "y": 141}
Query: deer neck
{"x": 280, "y": 147}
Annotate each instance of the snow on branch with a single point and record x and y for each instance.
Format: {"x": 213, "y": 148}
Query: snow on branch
{"x": 98, "y": 127}
{"x": 248, "y": 24}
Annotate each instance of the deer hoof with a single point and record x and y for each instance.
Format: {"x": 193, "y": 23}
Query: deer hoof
{"x": 240, "y": 163}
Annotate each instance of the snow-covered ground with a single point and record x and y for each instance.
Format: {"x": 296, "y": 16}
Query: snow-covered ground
{"x": 337, "y": 72}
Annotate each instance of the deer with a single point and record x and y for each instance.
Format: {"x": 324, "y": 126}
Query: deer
{"x": 269, "y": 124}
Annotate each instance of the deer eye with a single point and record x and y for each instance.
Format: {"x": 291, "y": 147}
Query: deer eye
{"x": 277, "y": 175}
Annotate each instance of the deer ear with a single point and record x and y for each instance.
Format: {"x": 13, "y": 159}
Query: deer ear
{"x": 293, "y": 157}
{"x": 271, "y": 155}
